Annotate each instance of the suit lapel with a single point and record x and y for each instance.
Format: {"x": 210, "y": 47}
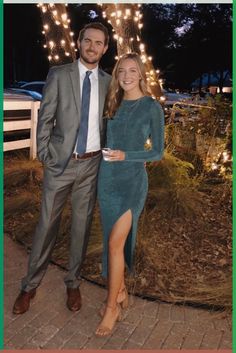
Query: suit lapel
{"x": 75, "y": 79}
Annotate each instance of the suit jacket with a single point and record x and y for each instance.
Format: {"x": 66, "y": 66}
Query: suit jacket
{"x": 59, "y": 115}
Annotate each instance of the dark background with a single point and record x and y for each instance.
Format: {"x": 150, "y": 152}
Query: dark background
{"x": 205, "y": 47}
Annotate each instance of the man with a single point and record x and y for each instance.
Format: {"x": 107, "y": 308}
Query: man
{"x": 70, "y": 134}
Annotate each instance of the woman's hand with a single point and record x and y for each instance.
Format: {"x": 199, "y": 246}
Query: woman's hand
{"x": 116, "y": 155}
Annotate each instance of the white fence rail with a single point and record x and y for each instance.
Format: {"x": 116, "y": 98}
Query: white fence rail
{"x": 22, "y": 124}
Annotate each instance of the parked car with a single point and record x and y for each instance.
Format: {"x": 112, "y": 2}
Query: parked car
{"x": 16, "y": 94}
{"x": 171, "y": 97}
{"x": 35, "y": 86}
{"x": 23, "y": 92}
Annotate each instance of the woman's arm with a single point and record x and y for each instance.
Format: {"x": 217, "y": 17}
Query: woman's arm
{"x": 157, "y": 136}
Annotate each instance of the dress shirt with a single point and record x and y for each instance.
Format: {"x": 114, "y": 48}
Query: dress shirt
{"x": 93, "y": 140}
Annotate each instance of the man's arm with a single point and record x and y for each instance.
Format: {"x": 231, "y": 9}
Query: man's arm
{"x": 46, "y": 115}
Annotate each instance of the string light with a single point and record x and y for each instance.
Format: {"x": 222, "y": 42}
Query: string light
{"x": 142, "y": 47}
{"x": 58, "y": 17}
{"x": 64, "y": 16}
{"x": 225, "y": 156}
{"x": 214, "y": 166}
{"x": 118, "y": 16}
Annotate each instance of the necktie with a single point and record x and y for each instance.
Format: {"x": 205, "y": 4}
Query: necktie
{"x": 83, "y": 129}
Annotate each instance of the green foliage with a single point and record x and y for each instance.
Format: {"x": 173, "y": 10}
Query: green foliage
{"x": 171, "y": 171}
{"x": 202, "y": 135}
{"x": 172, "y": 188}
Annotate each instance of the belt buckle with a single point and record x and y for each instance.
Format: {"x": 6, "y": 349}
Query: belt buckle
{"x": 76, "y": 156}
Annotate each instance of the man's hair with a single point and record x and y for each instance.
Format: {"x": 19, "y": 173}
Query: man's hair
{"x": 95, "y": 25}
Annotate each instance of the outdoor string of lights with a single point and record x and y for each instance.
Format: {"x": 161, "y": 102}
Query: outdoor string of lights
{"x": 56, "y": 28}
{"x": 126, "y": 21}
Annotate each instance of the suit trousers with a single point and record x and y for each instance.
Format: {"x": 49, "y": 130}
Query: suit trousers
{"x": 79, "y": 178}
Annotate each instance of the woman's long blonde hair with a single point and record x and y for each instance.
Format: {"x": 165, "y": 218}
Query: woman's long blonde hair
{"x": 115, "y": 92}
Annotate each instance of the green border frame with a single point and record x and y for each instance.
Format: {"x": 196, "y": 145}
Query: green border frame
{"x": 1, "y": 179}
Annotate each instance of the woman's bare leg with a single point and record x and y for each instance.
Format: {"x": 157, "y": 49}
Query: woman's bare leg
{"x": 117, "y": 240}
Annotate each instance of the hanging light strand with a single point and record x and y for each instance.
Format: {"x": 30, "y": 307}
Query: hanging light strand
{"x": 57, "y": 32}
{"x": 126, "y": 22}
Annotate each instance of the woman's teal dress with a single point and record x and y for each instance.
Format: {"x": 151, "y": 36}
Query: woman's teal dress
{"x": 123, "y": 185}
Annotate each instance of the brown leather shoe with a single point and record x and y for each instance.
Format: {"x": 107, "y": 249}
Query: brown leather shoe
{"x": 73, "y": 299}
{"x": 22, "y": 302}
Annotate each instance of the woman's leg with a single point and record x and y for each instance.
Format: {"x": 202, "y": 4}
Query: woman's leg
{"x": 117, "y": 240}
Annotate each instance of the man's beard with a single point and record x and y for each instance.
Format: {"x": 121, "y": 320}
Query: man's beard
{"x": 87, "y": 60}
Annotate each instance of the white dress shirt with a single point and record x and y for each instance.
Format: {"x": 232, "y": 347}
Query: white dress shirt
{"x": 93, "y": 140}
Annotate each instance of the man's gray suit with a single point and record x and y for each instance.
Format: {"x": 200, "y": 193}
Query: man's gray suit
{"x": 57, "y": 130}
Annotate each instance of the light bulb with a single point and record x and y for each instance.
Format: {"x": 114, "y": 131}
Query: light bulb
{"x": 64, "y": 16}
{"x": 51, "y": 44}
{"x": 142, "y": 47}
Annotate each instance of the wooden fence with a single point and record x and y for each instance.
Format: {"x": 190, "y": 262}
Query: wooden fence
{"x": 20, "y": 123}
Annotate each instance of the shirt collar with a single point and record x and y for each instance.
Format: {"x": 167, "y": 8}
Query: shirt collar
{"x": 83, "y": 69}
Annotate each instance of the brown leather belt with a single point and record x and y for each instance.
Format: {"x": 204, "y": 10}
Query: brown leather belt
{"x": 86, "y": 155}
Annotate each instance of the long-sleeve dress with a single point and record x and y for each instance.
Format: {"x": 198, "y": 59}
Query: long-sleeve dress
{"x": 123, "y": 185}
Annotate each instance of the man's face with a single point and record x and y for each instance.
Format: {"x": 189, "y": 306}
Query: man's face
{"x": 92, "y": 47}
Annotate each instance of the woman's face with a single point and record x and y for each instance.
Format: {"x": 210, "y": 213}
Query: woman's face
{"x": 129, "y": 76}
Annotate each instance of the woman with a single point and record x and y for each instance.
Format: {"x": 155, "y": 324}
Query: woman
{"x": 133, "y": 117}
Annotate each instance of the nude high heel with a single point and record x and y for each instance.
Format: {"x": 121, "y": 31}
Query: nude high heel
{"x": 103, "y": 330}
{"x": 124, "y": 303}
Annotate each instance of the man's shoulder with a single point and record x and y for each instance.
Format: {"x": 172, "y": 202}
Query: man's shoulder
{"x": 64, "y": 67}
{"x": 104, "y": 74}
